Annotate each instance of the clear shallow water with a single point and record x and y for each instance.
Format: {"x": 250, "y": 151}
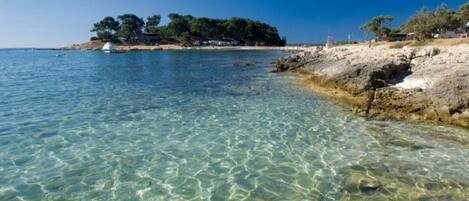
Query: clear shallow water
{"x": 191, "y": 125}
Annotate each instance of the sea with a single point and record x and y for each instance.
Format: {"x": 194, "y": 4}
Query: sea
{"x": 204, "y": 125}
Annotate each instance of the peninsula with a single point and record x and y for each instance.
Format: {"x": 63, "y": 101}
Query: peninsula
{"x": 130, "y": 32}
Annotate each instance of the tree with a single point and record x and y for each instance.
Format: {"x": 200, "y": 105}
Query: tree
{"x": 185, "y": 39}
{"x": 218, "y": 28}
{"x": 106, "y": 28}
{"x": 250, "y": 32}
{"x": 164, "y": 32}
{"x": 378, "y": 25}
{"x": 179, "y": 23}
{"x": 183, "y": 29}
{"x": 421, "y": 24}
{"x": 131, "y": 26}
{"x": 463, "y": 14}
{"x": 152, "y": 24}
{"x": 272, "y": 36}
{"x": 284, "y": 41}
{"x": 425, "y": 22}
{"x": 444, "y": 19}
{"x": 236, "y": 28}
{"x": 201, "y": 27}
{"x": 259, "y": 33}
{"x": 395, "y": 30}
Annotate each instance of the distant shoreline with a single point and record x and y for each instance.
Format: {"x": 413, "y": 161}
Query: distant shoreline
{"x": 165, "y": 47}
{"x": 98, "y": 46}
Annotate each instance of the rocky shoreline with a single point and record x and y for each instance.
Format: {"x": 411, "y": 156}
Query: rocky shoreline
{"x": 416, "y": 83}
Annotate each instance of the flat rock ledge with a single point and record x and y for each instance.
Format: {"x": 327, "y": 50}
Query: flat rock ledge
{"x": 419, "y": 83}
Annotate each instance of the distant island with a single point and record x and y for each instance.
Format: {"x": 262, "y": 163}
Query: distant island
{"x": 185, "y": 30}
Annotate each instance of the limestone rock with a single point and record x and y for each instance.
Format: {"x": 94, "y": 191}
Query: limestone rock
{"x": 427, "y": 52}
{"x": 417, "y": 83}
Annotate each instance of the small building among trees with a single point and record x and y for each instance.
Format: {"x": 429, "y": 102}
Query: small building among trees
{"x": 442, "y": 22}
{"x": 148, "y": 38}
{"x": 187, "y": 30}
{"x": 397, "y": 37}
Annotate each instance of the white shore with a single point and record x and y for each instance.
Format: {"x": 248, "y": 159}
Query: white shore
{"x": 98, "y": 45}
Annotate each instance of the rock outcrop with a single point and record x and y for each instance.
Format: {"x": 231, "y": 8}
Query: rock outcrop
{"x": 429, "y": 83}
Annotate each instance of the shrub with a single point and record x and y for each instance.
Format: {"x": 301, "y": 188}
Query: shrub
{"x": 421, "y": 43}
{"x": 399, "y": 45}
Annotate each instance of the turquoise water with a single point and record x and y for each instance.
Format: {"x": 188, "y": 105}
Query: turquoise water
{"x": 195, "y": 125}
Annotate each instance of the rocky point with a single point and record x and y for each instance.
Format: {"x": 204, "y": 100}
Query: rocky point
{"x": 418, "y": 83}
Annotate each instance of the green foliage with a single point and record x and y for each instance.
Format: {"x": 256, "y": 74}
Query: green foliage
{"x": 152, "y": 24}
{"x": 164, "y": 32}
{"x": 395, "y": 30}
{"x": 378, "y": 25}
{"x": 206, "y": 28}
{"x": 463, "y": 13}
{"x": 421, "y": 43}
{"x": 399, "y": 45}
{"x": 106, "y": 28}
{"x": 185, "y": 39}
{"x": 236, "y": 28}
{"x": 421, "y": 24}
{"x": 444, "y": 19}
{"x": 131, "y": 26}
{"x": 427, "y": 22}
{"x": 250, "y": 32}
{"x": 179, "y": 24}
{"x": 246, "y": 31}
{"x": 201, "y": 27}
{"x": 186, "y": 28}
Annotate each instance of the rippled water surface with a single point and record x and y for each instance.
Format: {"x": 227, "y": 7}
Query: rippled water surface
{"x": 199, "y": 125}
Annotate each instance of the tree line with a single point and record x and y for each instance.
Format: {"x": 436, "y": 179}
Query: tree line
{"x": 185, "y": 29}
{"x": 424, "y": 23}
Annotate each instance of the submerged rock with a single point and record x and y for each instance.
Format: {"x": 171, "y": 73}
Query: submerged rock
{"x": 377, "y": 181}
{"x": 244, "y": 64}
{"x": 361, "y": 183}
{"x": 385, "y": 138}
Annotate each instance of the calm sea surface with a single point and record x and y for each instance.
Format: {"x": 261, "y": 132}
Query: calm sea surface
{"x": 196, "y": 125}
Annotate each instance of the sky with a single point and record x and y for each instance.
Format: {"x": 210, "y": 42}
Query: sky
{"x": 57, "y": 23}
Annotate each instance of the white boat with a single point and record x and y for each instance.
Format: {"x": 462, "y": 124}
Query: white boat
{"x": 109, "y": 48}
